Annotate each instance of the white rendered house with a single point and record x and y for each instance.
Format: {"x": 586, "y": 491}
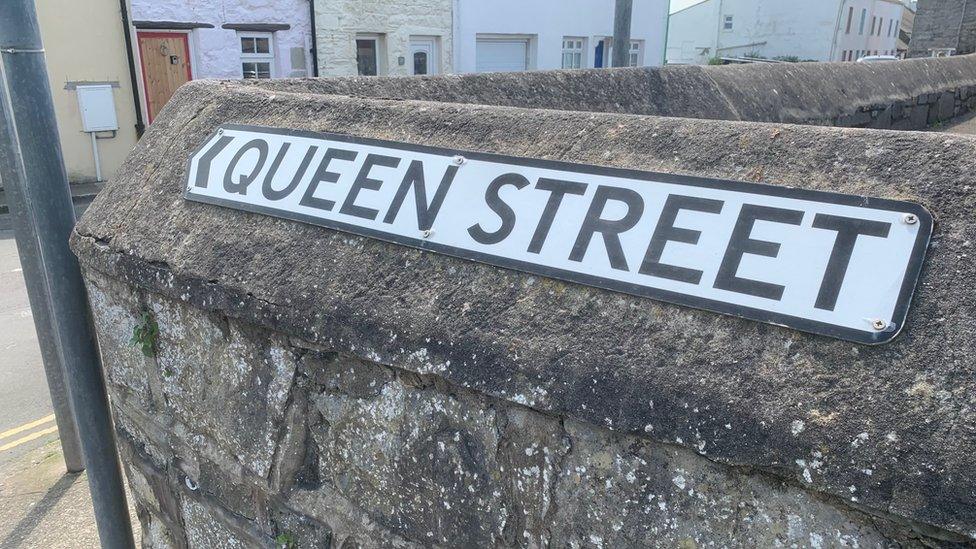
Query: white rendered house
{"x": 513, "y": 35}
{"x": 181, "y": 40}
{"x": 817, "y": 30}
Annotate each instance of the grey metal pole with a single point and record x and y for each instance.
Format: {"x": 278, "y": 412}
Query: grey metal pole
{"x": 34, "y": 177}
{"x": 622, "y": 14}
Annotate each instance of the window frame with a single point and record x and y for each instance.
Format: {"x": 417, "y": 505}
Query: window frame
{"x": 728, "y": 23}
{"x": 254, "y": 57}
{"x": 375, "y": 39}
{"x": 577, "y": 50}
{"x": 639, "y": 61}
{"x": 850, "y": 19}
{"x": 864, "y": 18}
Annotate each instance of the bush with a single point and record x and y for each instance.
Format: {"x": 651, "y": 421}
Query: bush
{"x": 716, "y": 61}
{"x": 787, "y": 58}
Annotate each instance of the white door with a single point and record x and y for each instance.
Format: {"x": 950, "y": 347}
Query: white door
{"x": 496, "y": 55}
{"x": 423, "y": 56}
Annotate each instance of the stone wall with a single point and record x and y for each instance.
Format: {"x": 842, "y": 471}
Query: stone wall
{"x": 342, "y": 391}
{"x": 832, "y": 94}
{"x": 943, "y": 24}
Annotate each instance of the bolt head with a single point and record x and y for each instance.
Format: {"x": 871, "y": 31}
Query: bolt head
{"x": 879, "y": 324}
{"x": 426, "y": 233}
{"x": 910, "y": 219}
{"x": 458, "y": 160}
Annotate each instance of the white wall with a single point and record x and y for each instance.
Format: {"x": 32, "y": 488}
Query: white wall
{"x": 692, "y": 34}
{"x": 808, "y": 29}
{"x": 548, "y": 21}
{"x": 804, "y": 29}
{"x": 215, "y": 53}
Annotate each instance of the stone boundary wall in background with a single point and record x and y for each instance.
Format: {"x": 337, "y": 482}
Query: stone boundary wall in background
{"x": 904, "y": 95}
{"x": 322, "y": 387}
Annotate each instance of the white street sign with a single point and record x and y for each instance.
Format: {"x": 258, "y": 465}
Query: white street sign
{"x": 832, "y": 264}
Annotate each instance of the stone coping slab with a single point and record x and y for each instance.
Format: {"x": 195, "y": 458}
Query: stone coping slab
{"x": 815, "y": 93}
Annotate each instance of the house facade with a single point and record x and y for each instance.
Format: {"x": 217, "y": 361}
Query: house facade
{"x": 944, "y": 27}
{"x": 93, "y": 60}
{"x": 816, "y": 30}
{"x": 182, "y": 40}
{"x": 379, "y": 37}
{"x": 507, "y": 35}
{"x": 370, "y": 37}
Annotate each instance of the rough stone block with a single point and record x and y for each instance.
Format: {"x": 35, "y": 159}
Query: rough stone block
{"x": 946, "y": 106}
{"x": 206, "y": 364}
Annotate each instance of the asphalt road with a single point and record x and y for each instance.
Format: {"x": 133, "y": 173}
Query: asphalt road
{"x": 24, "y": 398}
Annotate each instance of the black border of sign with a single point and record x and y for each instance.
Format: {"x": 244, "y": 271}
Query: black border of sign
{"x": 803, "y": 324}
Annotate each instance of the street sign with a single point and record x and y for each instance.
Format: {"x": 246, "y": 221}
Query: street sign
{"x": 832, "y": 264}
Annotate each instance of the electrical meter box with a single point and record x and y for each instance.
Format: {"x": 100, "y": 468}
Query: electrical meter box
{"x": 97, "y": 105}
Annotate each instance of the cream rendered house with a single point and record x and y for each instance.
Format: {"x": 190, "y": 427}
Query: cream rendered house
{"x": 93, "y": 61}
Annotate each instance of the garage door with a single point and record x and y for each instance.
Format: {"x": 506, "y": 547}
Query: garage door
{"x": 500, "y": 55}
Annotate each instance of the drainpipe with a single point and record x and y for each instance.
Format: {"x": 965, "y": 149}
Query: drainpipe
{"x": 133, "y": 77}
{"x": 315, "y": 48}
{"x": 667, "y": 31}
{"x": 837, "y": 26}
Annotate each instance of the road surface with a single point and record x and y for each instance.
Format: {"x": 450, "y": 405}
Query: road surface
{"x": 966, "y": 125}
{"x": 26, "y": 420}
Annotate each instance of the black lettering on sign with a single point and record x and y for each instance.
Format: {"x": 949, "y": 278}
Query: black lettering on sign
{"x": 848, "y": 229}
{"x": 363, "y": 181}
{"x": 610, "y": 229}
{"x": 240, "y": 187}
{"x": 557, "y": 190}
{"x": 323, "y": 175}
{"x": 426, "y": 213}
{"x": 666, "y": 232}
{"x": 269, "y": 192}
{"x": 497, "y": 205}
{"x": 740, "y": 244}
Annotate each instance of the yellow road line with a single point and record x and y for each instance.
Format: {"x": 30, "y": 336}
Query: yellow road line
{"x": 28, "y": 438}
{"x": 26, "y": 427}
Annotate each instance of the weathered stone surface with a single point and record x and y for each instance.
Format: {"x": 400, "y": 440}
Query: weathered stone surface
{"x": 889, "y": 429}
{"x": 804, "y": 93}
{"x": 395, "y": 459}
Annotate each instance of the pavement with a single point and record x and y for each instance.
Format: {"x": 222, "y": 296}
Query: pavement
{"x": 965, "y": 125}
{"x": 40, "y": 504}
{"x": 24, "y": 398}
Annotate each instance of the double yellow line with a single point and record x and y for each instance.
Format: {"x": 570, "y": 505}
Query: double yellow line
{"x": 27, "y": 438}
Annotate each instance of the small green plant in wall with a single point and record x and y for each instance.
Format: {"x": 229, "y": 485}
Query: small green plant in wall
{"x": 285, "y": 541}
{"x": 145, "y": 334}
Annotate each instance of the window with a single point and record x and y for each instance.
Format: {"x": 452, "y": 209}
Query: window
{"x": 367, "y": 62}
{"x": 891, "y": 24}
{"x": 424, "y": 54}
{"x": 727, "y": 23}
{"x": 874, "y": 20}
{"x": 850, "y": 18}
{"x": 572, "y": 52}
{"x": 636, "y": 56}
{"x": 257, "y": 54}
{"x": 864, "y": 17}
